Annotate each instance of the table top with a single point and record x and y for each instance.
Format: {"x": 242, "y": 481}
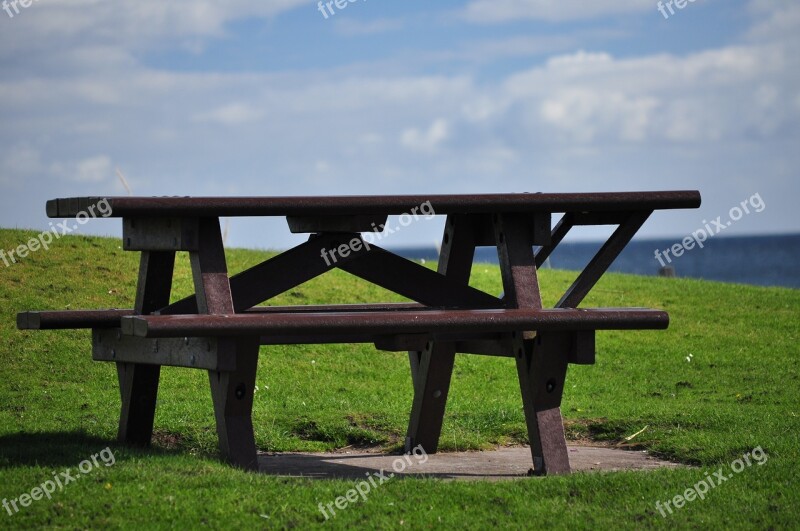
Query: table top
{"x": 371, "y": 205}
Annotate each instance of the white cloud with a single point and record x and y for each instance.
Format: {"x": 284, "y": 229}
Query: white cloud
{"x": 93, "y": 169}
{"x": 138, "y": 23}
{"x": 231, "y": 114}
{"x": 494, "y": 11}
{"x": 588, "y": 97}
{"x": 775, "y": 19}
{"x": 428, "y": 140}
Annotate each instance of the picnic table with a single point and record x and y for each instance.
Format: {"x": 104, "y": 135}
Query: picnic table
{"x": 221, "y": 327}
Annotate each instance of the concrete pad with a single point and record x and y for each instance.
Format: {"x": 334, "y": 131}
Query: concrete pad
{"x": 493, "y": 465}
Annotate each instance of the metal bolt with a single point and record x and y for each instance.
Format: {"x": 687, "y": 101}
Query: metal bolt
{"x": 551, "y": 386}
{"x": 186, "y": 341}
{"x": 192, "y": 360}
{"x": 437, "y": 394}
{"x": 240, "y": 391}
{"x": 113, "y": 354}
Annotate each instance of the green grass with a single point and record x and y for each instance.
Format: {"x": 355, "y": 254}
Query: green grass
{"x": 738, "y": 392}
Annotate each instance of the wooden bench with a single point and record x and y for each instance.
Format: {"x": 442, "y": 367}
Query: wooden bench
{"x": 222, "y": 326}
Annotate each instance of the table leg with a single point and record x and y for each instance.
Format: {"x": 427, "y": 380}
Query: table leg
{"x": 541, "y": 359}
{"x": 542, "y": 370}
{"x": 231, "y": 391}
{"x": 138, "y": 383}
{"x": 432, "y": 368}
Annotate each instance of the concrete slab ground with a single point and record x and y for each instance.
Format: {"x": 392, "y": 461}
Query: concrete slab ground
{"x": 494, "y": 465}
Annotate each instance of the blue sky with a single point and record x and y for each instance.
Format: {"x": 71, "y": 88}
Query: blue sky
{"x": 386, "y": 97}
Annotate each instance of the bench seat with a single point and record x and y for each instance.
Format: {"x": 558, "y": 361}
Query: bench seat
{"x": 87, "y": 319}
{"x": 394, "y": 322}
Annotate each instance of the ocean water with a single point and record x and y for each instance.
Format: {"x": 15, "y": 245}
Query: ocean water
{"x": 757, "y": 260}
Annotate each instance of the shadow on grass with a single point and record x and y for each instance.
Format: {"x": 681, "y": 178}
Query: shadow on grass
{"x": 62, "y": 449}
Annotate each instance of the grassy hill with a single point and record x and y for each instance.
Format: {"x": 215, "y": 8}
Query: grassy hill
{"x": 720, "y": 382}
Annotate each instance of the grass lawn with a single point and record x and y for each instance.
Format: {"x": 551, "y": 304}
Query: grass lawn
{"x": 722, "y": 381}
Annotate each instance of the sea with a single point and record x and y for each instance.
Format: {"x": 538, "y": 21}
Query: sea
{"x": 757, "y": 260}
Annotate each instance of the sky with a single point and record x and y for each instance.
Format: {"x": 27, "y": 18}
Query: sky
{"x": 291, "y": 97}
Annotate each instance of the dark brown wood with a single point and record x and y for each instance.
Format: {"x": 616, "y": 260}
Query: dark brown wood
{"x": 417, "y": 282}
{"x": 232, "y": 394}
{"x": 434, "y": 322}
{"x": 537, "y": 368}
{"x": 312, "y": 224}
{"x": 448, "y": 315}
{"x": 96, "y": 319}
{"x": 582, "y": 348}
{"x": 231, "y": 391}
{"x": 71, "y": 319}
{"x": 278, "y": 274}
{"x": 138, "y": 383}
{"x": 210, "y": 271}
{"x": 560, "y": 231}
{"x": 422, "y": 205}
{"x": 542, "y": 370}
{"x": 602, "y": 260}
{"x": 432, "y": 368}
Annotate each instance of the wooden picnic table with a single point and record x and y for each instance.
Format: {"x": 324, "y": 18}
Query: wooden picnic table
{"x": 221, "y": 327}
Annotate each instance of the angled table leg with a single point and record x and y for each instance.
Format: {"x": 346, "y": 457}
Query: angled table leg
{"x": 432, "y": 368}
{"x": 541, "y": 359}
{"x": 138, "y": 383}
{"x": 231, "y": 392}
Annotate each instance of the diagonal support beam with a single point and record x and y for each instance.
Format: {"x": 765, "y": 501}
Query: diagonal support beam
{"x": 278, "y": 274}
{"x": 561, "y": 229}
{"x": 417, "y": 282}
{"x": 602, "y": 260}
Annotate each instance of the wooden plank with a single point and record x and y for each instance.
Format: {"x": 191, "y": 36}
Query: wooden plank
{"x": 541, "y": 371}
{"x": 277, "y": 275}
{"x": 422, "y": 205}
{"x": 351, "y": 224}
{"x": 231, "y": 391}
{"x": 138, "y": 383}
{"x": 90, "y": 319}
{"x": 417, "y": 282}
{"x": 558, "y": 234}
{"x": 391, "y": 323}
{"x": 232, "y": 394}
{"x": 216, "y": 354}
{"x": 160, "y": 234}
{"x": 71, "y": 319}
{"x": 432, "y": 368}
